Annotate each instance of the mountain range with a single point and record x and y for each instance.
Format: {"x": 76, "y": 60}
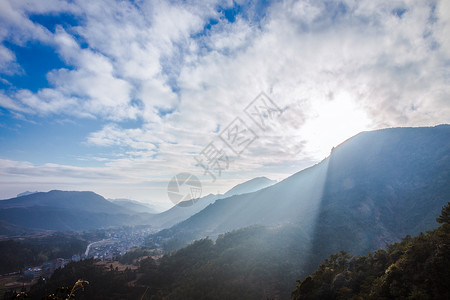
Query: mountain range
{"x": 372, "y": 190}
{"x": 73, "y": 210}
{"x": 134, "y": 206}
{"x": 254, "y": 241}
{"x": 177, "y": 213}
{"x": 66, "y": 210}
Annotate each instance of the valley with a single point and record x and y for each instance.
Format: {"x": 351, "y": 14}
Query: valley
{"x": 255, "y": 240}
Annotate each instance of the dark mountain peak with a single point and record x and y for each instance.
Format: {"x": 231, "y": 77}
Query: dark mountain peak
{"x": 67, "y": 210}
{"x": 75, "y": 200}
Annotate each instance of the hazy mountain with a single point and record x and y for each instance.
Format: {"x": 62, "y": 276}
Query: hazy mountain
{"x": 84, "y": 201}
{"x": 63, "y": 210}
{"x": 252, "y": 185}
{"x": 26, "y": 193}
{"x": 134, "y": 206}
{"x": 372, "y": 190}
{"x": 70, "y": 210}
{"x": 177, "y": 214}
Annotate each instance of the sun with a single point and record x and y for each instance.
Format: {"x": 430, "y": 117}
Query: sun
{"x": 331, "y": 122}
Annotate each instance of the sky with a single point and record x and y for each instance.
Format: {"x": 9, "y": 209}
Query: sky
{"x": 118, "y": 97}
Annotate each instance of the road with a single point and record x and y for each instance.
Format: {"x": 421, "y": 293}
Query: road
{"x": 98, "y": 242}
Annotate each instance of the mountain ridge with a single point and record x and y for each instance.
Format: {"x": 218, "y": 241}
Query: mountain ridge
{"x": 378, "y": 171}
{"x": 178, "y": 214}
{"x": 81, "y": 210}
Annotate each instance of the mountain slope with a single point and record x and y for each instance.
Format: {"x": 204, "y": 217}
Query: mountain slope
{"x": 252, "y": 185}
{"x": 134, "y": 206}
{"x": 80, "y": 201}
{"x": 8, "y": 230}
{"x": 373, "y": 189}
{"x": 72, "y": 210}
{"x": 63, "y": 210}
{"x": 26, "y": 193}
{"x": 177, "y": 214}
{"x": 415, "y": 268}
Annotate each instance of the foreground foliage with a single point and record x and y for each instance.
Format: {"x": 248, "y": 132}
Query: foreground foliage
{"x": 109, "y": 284}
{"x": 259, "y": 263}
{"x": 415, "y": 268}
{"x": 251, "y": 263}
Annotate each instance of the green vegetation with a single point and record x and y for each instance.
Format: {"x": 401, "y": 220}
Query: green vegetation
{"x": 250, "y": 263}
{"x": 260, "y": 262}
{"x": 415, "y": 268}
{"x": 110, "y": 284}
{"x": 66, "y": 293}
{"x": 133, "y": 255}
{"x": 17, "y": 255}
{"x": 374, "y": 189}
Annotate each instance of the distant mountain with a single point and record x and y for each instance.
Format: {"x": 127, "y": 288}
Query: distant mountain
{"x": 374, "y": 189}
{"x": 66, "y": 210}
{"x": 134, "y": 206}
{"x": 84, "y": 201}
{"x": 250, "y": 186}
{"x": 26, "y": 193}
{"x": 72, "y": 210}
{"x": 177, "y": 214}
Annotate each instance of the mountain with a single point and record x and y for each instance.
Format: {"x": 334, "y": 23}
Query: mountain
{"x": 84, "y": 201}
{"x": 415, "y": 268}
{"x": 134, "y": 206}
{"x": 26, "y": 193}
{"x": 252, "y": 185}
{"x": 372, "y": 190}
{"x": 177, "y": 214}
{"x": 67, "y": 210}
{"x": 72, "y": 210}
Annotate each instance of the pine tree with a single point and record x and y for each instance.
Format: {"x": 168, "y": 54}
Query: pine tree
{"x": 445, "y": 215}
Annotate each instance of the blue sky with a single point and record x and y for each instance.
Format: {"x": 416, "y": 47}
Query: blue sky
{"x": 119, "y": 96}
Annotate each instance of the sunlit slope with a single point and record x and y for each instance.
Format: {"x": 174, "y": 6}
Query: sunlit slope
{"x": 178, "y": 214}
{"x": 373, "y": 189}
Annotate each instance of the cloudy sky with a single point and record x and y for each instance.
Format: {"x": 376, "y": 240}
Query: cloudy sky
{"x": 119, "y": 96}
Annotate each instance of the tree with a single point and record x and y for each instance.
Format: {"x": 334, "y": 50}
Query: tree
{"x": 415, "y": 268}
{"x": 444, "y": 218}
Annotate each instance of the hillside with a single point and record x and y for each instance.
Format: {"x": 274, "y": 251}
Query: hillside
{"x": 240, "y": 265}
{"x": 374, "y": 189}
{"x": 8, "y": 230}
{"x": 67, "y": 210}
{"x": 252, "y": 185}
{"x": 79, "y": 201}
{"x": 178, "y": 214}
{"x": 260, "y": 263}
{"x": 134, "y": 206}
{"x": 72, "y": 210}
{"x": 415, "y": 268}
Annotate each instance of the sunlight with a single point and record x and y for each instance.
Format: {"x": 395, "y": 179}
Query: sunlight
{"x": 331, "y": 123}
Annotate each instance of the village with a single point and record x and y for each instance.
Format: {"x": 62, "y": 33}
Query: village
{"x": 116, "y": 242}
